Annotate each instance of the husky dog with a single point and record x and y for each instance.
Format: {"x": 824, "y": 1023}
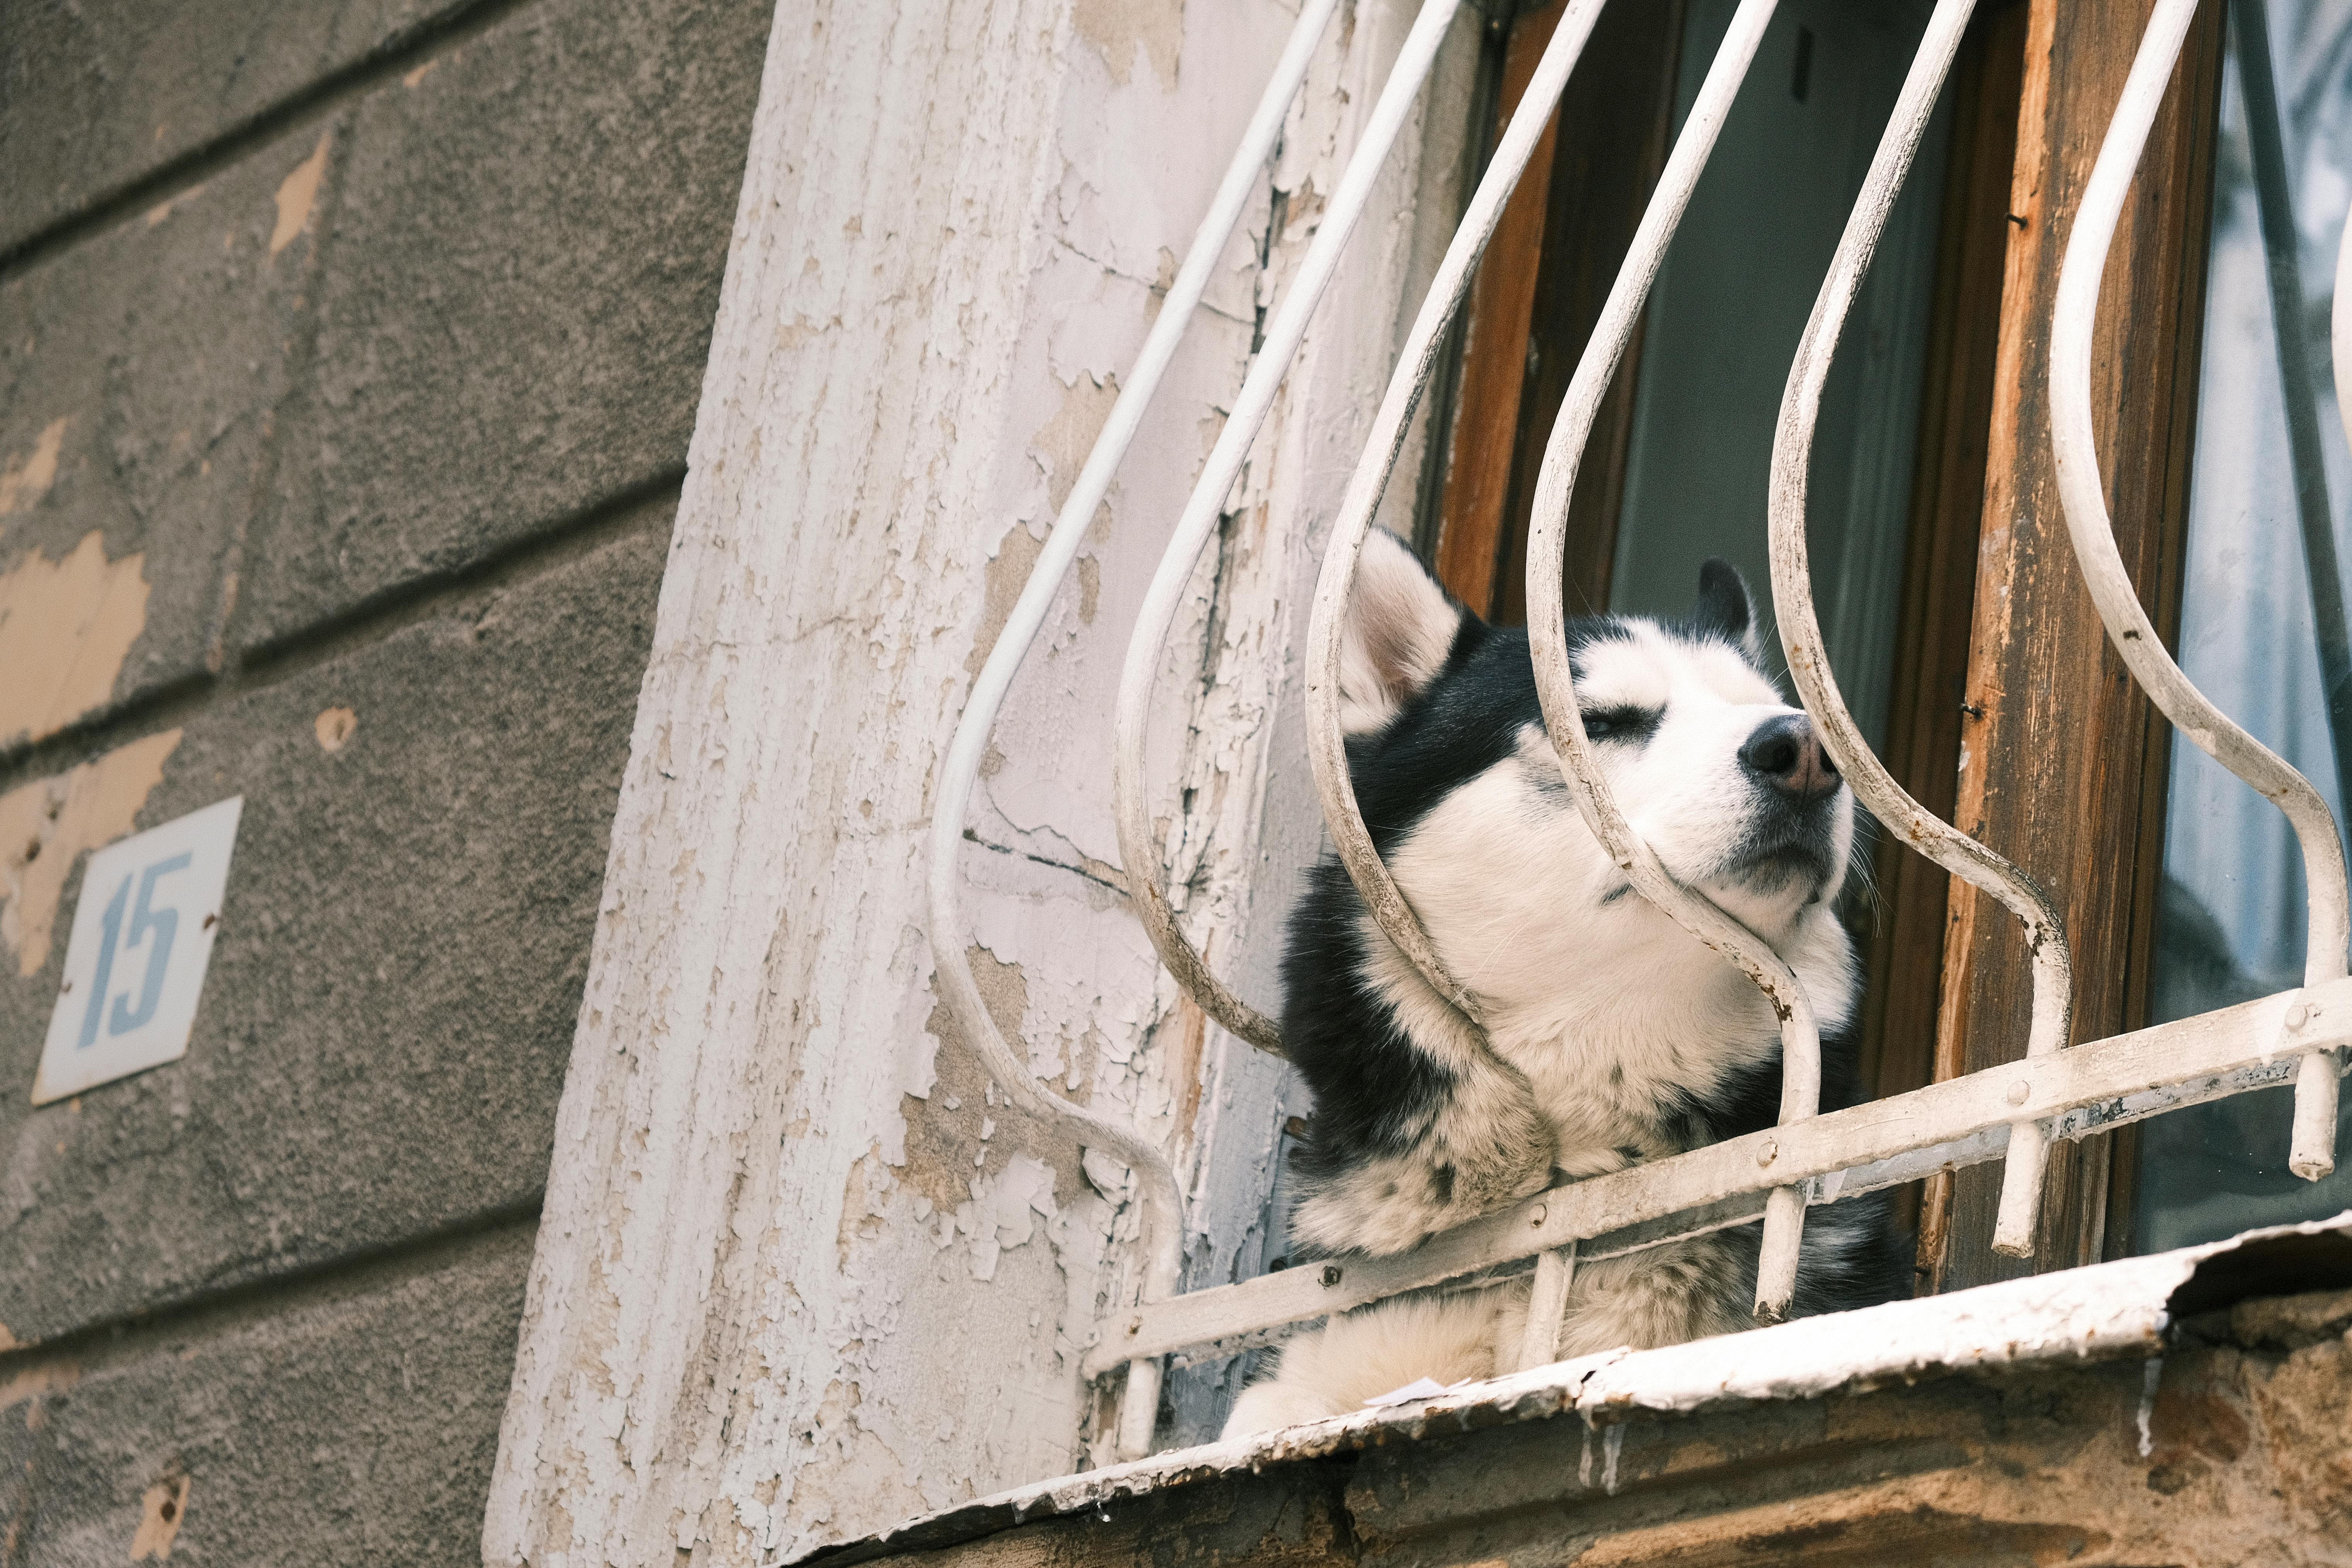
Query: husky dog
{"x": 1611, "y": 1036}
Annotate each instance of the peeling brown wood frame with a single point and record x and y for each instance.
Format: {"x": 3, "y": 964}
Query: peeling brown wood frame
{"x": 1539, "y": 292}
{"x": 1903, "y": 951}
{"x": 2063, "y": 759}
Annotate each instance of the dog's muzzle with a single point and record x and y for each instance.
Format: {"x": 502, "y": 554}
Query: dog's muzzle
{"x": 1792, "y": 831}
{"x": 1787, "y": 757}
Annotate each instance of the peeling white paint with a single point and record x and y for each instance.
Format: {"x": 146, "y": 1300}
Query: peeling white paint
{"x": 1004, "y": 1211}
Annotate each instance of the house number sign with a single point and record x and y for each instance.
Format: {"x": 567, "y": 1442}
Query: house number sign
{"x": 142, "y": 935}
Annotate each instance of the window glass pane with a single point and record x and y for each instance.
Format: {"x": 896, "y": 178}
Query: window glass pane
{"x": 1730, "y": 303}
{"x": 2231, "y": 924}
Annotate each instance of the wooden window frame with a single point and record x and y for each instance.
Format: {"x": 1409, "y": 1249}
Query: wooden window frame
{"x": 2011, "y": 715}
{"x": 2066, "y": 769}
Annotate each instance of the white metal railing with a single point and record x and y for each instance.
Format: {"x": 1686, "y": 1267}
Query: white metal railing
{"x": 2010, "y": 1113}
{"x": 1801, "y": 1039}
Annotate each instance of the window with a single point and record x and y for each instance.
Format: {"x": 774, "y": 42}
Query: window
{"x": 2183, "y": 888}
{"x": 2270, "y": 445}
{"x": 2063, "y": 758}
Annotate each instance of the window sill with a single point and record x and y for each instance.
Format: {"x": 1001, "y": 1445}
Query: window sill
{"x": 2107, "y": 1405}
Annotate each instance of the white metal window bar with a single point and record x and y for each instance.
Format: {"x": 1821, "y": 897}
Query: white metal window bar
{"x": 2012, "y": 1112}
{"x": 2312, "y": 1151}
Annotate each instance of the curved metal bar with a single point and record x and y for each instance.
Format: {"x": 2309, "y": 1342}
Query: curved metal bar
{"x": 1326, "y": 744}
{"x": 2075, "y": 445}
{"x": 2339, "y": 324}
{"x": 1138, "y": 846}
{"x": 1800, "y": 1046}
{"x": 1156, "y": 1178}
{"x": 2315, "y": 1088}
{"x": 1807, "y": 650}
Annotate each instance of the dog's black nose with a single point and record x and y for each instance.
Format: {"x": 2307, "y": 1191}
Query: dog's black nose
{"x": 1786, "y": 753}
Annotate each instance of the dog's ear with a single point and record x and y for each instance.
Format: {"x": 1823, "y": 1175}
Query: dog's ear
{"x": 1726, "y": 609}
{"x": 1400, "y": 629}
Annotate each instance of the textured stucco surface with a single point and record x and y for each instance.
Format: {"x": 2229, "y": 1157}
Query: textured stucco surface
{"x": 150, "y": 360}
{"x": 430, "y": 288}
{"x": 793, "y": 1280}
{"x": 383, "y": 1030}
{"x": 98, "y": 95}
{"x": 349, "y": 351}
{"x": 455, "y": 309}
{"x": 346, "y": 1422}
{"x": 520, "y": 251}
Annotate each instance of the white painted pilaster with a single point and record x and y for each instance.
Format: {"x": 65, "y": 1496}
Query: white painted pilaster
{"x": 799, "y": 1271}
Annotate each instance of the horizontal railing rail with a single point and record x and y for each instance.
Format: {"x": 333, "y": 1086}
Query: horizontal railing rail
{"x": 1967, "y": 1120}
{"x": 2010, "y": 1113}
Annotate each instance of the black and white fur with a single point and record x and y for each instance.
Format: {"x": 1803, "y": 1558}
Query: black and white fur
{"x": 1611, "y": 1036}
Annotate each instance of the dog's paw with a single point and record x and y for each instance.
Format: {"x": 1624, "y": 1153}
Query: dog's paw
{"x": 1487, "y": 1146}
{"x": 1498, "y": 1143}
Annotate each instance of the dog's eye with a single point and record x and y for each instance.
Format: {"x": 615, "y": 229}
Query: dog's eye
{"x": 1620, "y": 723}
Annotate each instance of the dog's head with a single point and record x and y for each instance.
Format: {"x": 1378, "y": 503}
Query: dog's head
{"x": 1464, "y": 798}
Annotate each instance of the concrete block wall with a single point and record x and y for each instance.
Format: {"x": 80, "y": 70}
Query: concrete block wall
{"x": 348, "y": 352}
